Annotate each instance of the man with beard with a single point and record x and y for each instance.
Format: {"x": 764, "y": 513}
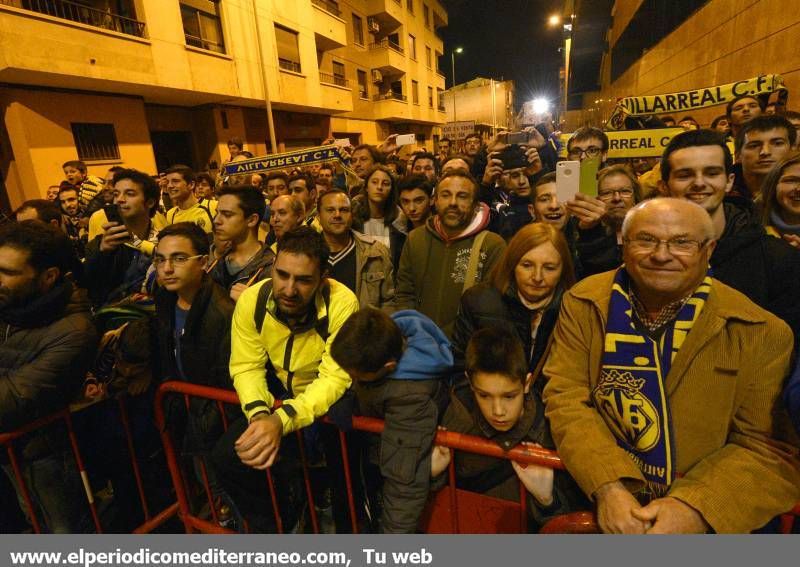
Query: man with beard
{"x": 451, "y": 253}
{"x": 599, "y": 243}
{"x": 49, "y": 341}
{"x": 281, "y": 337}
{"x": 74, "y": 222}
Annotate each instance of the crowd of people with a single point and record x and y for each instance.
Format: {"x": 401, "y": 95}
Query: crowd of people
{"x": 645, "y": 331}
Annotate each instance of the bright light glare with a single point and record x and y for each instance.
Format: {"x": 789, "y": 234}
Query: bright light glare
{"x": 459, "y": 49}
{"x": 541, "y": 105}
{"x": 554, "y": 20}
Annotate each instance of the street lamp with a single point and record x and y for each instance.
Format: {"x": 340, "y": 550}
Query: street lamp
{"x": 453, "y": 63}
{"x": 554, "y": 20}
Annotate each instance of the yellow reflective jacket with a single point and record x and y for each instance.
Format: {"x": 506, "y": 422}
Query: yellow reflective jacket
{"x": 301, "y": 357}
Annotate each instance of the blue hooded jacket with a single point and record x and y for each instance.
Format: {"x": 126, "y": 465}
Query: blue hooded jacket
{"x": 428, "y": 354}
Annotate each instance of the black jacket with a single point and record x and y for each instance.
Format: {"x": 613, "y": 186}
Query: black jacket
{"x": 45, "y": 350}
{"x": 598, "y": 251}
{"x": 484, "y": 306}
{"x": 111, "y": 276}
{"x": 764, "y": 268}
{"x": 205, "y": 353}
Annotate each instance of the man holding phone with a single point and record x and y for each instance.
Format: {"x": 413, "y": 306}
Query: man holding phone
{"x": 118, "y": 259}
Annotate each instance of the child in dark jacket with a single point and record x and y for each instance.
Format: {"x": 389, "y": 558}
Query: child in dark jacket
{"x": 399, "y": 366}
{"x": 500, "y": 405}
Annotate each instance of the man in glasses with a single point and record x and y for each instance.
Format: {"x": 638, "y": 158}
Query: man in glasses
{"x": 697, "y": 166}
{"x": 599, "y": 242}
{"x": 588, "y": 142}
{"x": 194, "y": 328}
{"x": 662, "y": 387}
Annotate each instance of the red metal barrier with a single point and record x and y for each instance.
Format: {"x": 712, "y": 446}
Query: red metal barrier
{"x": 451, "y": 510}
{"x": 65, "y": 415}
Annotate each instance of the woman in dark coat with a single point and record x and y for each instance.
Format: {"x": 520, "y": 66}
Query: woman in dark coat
{"x": 523, "y": 294}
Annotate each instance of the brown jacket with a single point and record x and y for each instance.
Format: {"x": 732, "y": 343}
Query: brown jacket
{"x": 730, "y": 430}
{"x": 374, "y": 273}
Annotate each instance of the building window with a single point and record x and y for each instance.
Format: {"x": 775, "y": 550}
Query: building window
{"x": 358, "y": 30}
{"x": 415, "y": 92}
{"x": 410, "y": 5}
{"x": 201, "y": 24}
{"x": 440, "y": 99}
{"x": 438, "y": 56}
{"x": 338, "y": 74}
{"x": 426, "y": 12}
{"x": 95, "y": 141}
{"x": 363, "y": 91}
{"x": 428, "y": 57}
{"x": 412, "y": 46}
{"x": 430, "y": 97}
{"x": 288, "y": 50}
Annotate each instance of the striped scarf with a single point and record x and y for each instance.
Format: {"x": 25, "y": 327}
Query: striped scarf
{"x": 631, "y": 394}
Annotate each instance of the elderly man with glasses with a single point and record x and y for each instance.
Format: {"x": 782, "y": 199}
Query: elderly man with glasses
{"x": 599, "y": 242}
{"x": 663, "y": 386}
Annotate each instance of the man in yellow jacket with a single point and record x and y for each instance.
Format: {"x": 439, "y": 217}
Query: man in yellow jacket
{"x": 663, "y": 387}
{"x": 281, "y": 335}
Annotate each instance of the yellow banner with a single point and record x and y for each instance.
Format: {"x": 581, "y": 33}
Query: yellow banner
{"x": 691, "y": 100}
{"x": 633, "y": 143}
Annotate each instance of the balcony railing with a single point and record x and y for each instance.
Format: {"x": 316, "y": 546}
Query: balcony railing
{"x": 329, "y": 6}
{"x": 288, "y": 65}
{"x": 386, "y": 44}
{"x": 204, "y": 43}
{"x": 333, "y": 80}
{"x": 82, "y": 14}
{"x": 389, "y": 96}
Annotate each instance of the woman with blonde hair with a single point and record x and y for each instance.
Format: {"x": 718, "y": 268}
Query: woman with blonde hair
{"x": 522, "y": 296}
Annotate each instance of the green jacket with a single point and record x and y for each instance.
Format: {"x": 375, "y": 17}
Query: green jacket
{"x": 431, "y": 274}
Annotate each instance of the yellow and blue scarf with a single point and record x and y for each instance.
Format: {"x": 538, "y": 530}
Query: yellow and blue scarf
{"x": 631, "y": 394}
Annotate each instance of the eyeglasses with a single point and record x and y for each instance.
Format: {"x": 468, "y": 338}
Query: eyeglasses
{"x": 678, "y": 246}
{"x": 176, "y": 260}
{"x": 590, "y": 152}
{"x": 608, "y": 194}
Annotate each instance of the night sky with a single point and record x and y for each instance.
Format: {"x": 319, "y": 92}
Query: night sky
{"x": 505, "y": 39}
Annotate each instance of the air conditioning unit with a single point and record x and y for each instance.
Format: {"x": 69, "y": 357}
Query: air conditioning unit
{"x": 373, "y": 25}
{"x": 377, "y": 77}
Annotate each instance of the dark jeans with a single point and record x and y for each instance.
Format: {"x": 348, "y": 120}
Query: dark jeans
{"x": 248, "y": 487}
{"x": 57, "y": 493}
{"x": 410, "y": 409}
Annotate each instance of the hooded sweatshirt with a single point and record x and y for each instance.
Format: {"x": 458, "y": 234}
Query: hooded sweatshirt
{"x": 427, "y": 355}
{"x": 433, "y": 267}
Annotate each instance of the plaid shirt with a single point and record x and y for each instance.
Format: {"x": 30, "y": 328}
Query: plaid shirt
{"x": 665, "y": 316}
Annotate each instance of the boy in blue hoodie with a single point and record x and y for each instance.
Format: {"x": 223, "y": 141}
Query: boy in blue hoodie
{"x": 399, "y": 365}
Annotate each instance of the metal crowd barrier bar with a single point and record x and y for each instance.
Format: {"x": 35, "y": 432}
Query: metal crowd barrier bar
{"x": 448, "y": 503}
{"x": 448, "y": 510}
{"x": 7, "y": 440}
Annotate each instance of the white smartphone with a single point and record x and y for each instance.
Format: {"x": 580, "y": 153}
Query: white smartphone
{"x": 406, "y": 139}
{"x": 568, "y": 178}
{"x": 342, "y": 142}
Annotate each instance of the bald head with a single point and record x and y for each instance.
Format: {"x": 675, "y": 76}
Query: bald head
{"x": 667, "y": 244}
{"x": 689, "y": 211}
{"x": 286, "y": 212}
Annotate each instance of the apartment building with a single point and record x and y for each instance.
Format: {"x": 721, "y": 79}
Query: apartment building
{"x": 150, "y": 83}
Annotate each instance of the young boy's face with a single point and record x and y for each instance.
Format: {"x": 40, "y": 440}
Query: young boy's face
{"x": 73, "y": 175}
{"x": 500, "y": 398}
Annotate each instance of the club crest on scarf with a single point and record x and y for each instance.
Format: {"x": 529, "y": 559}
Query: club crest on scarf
{"x": 631, "y": 394}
